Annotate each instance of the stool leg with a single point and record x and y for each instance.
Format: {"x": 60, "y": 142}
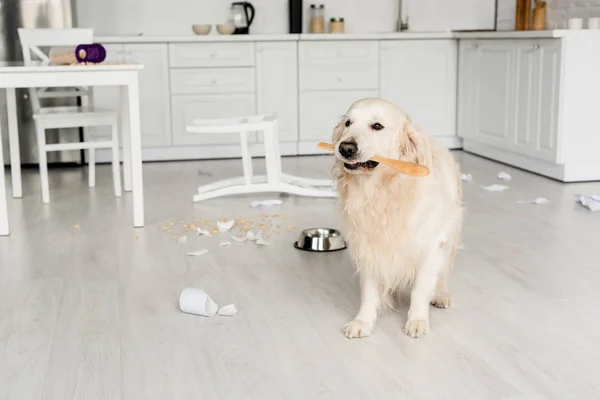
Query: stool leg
{"x": 41, "y": 142}
{"x": 271, "y": 159}
{"x": 91, "y": 168}
{"x": 246, "y": 158}
{"x": 115, "y": 158}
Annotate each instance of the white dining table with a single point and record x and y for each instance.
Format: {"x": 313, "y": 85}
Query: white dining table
{"x": 125, "y": 76}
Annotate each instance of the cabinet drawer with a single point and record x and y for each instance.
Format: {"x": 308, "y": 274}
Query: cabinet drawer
{"x": 186, "y": 108}
{"x": 324, "y": 77}
{"x": 212, "y": 80}
{"x": 320, "y": 111}
{"x": 211, "y": 55}
{"x": 339, "y": 53}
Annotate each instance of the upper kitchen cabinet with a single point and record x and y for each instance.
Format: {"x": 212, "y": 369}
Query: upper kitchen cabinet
{"x": 277, "y": 85}
{"x": 419, "y": 76}
{"x": 153, "y": 89}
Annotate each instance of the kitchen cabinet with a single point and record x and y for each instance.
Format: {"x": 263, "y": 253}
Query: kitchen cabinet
{"x": 277, "y": 85}
{"x": 153, "y": 88}
{"x": 419, "y": 76}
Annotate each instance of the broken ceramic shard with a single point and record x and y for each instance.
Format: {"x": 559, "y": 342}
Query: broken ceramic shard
{"x": 225, "y": 226}
{"x": 504, "y": 176}
{"x": 182, "y": 240}
{"x": 466, "y": 177}
{"x": 495, "y": 188}
{"x": 225, "y": 244}
{"x": 202, "y": 232}
{"x": 266, "y": 203}
{"x": 591, "y": 202}
{"x": 537, "y": 200}
{"x": 262, "y": 242}
{"x": 196, "y": 301}
{"x": 197, "y": 252}
{"x": 227, "y": 311}
{"x": 239, "y": 239}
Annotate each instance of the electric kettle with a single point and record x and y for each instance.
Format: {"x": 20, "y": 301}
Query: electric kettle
{"x": 241, "y": 18}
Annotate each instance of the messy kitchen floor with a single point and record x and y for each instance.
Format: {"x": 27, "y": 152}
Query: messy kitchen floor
{"x": 89, "y": 305}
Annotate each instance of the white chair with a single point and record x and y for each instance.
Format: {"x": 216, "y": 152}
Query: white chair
{"x": 275, "y": 180}
{"x": 84, "y": 116}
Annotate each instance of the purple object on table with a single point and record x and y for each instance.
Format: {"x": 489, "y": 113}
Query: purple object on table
{"x": 94, "y": 53}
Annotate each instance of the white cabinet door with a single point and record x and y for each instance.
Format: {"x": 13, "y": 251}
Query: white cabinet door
{"x": 153, "y": 87}
{"x": 526, "y": 97}
{"x": 468, "y": 64}
{"x": 321, "y": 111}
{"x": 419, "y": 76}
{"x": 155, "y": 115}
{"x": 494, "y": 93}
{"x": 277, "y": 85}
{"x": 186, "y": 108}
{"x": 546, "y": 132}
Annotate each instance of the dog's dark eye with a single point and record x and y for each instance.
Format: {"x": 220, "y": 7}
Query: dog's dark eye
{"x": 347, "y": 123}
{"x": 377, "y": 126}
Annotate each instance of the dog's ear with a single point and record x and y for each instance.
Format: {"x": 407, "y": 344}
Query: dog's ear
{"x": 337, "y": 131}
{"x": 412, "y": 145}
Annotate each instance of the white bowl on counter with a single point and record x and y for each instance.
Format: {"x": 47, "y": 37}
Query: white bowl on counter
{"x": 201, "y": 29}
{"x": 226, "y": 29}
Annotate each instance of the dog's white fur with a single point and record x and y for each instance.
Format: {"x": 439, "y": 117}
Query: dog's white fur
{"x": 402, "y": 231}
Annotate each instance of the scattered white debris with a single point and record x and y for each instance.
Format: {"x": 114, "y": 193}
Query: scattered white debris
{"x": 495, "y": 188}
{"x": 252, "y": 237}
{"x": 262, "y": 242}
{"x": 227, "y": 311}
{"x": 225, "y": 244}
{"x": 266, "y": 203}
{"x": 537, "y": 200}
{"x": 202, "y": 232}
{"x": 182, "y": 240}
{"x": 591, "y": 202}
{"x": 196, "y": 301}
{"x": 238, "y": 239}
{"x": 197, "y": 252}
{"x": 225, "y": 226}
{"x": 466, "y": 177}
{"x": 504, "y": 176}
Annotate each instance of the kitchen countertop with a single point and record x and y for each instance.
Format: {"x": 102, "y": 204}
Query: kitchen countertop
{"x": 557, "y": 33}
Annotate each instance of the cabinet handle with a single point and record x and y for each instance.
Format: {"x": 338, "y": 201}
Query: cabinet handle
{"x": 535, "y": 46}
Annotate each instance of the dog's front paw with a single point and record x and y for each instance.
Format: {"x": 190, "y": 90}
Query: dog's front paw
{"x": 357, "y": 329}
{"x": 441, "y": 300}
{"x": 416, "y": 327}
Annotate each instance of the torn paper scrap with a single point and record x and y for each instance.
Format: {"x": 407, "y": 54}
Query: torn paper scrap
{"x": 262, "y": 242}
{"x": 591, "y": 202}
{"x": 266, "y": 203}
{"x": 495, "y": 188}
{"x": 202, "y": 232}
{"x": 504, "y": 176}
{"x": 182, "y": 240}
{"x": 196, "y": 301}
{"x": 228, "y": 310}
{"x": 225, "y": 243}
{"x": 466, "y": 177}
{"x": 537, "y": 200}
{"x": 197, "y": 252}
{"x": 225, "y": 226}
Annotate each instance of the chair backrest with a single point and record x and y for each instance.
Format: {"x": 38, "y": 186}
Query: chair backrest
{"x": 33, "y": 39}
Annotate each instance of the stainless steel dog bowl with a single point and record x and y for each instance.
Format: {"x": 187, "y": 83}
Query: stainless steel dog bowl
{"x": 320, "y": 240}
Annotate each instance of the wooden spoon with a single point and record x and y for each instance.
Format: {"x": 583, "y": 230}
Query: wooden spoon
{"x": 408, "y": 168}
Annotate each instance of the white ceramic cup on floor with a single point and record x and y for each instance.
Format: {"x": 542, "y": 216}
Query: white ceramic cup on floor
{"x": 196, "y": 301}
{"x": 575, "y": 23}
{"x": 594, "y": 23}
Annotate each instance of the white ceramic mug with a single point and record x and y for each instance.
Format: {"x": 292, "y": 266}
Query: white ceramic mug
{"x": 196, "y": 301}
{"x": 594, "y": 23}
{"x": 575, "y": 23}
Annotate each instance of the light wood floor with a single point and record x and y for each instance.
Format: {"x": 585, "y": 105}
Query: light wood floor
{"x": 90, "y": 312}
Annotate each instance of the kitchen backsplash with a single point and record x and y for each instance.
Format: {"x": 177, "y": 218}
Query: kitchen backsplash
{"x": 175, "y": 17}
{"x": 558, "y": 12}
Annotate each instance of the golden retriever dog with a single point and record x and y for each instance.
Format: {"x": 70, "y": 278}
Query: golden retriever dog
{"x": 402, "y": 231}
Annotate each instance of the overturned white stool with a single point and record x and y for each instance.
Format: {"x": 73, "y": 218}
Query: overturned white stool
{"x": 275, "y": 180}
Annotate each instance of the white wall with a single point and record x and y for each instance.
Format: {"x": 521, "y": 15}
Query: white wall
{"x": 175, "y": 17}
{"x": 558, "y": 12}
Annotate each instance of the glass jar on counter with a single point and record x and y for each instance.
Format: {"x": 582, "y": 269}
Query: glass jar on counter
{"x": 317, "y": 18}
{"x": 336, "y": 25}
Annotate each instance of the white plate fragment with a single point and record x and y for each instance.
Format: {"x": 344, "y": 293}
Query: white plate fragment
{"x": 466, "y": 177}
{"x": 537, "y": 200}
{"x": 202, "y": 232}
{"x": 227, "y": 311}
{"x": 495, "y": 188}
{"x": 182, "y": 240}
{"x": 266, "y": 203}
{"x": 196, "y": 301}
{"x": 197, "y": 253}
{"x": 225, "y": 226}
{"x": 504, "y": 176}
{"x": 225, "y": 244}
{"x": 591, "y": 202}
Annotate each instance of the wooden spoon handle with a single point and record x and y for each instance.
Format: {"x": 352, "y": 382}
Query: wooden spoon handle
{"x": 408, "y": 168}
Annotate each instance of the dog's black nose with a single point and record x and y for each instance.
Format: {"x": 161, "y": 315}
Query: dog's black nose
{"x": 348, "y": 150}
